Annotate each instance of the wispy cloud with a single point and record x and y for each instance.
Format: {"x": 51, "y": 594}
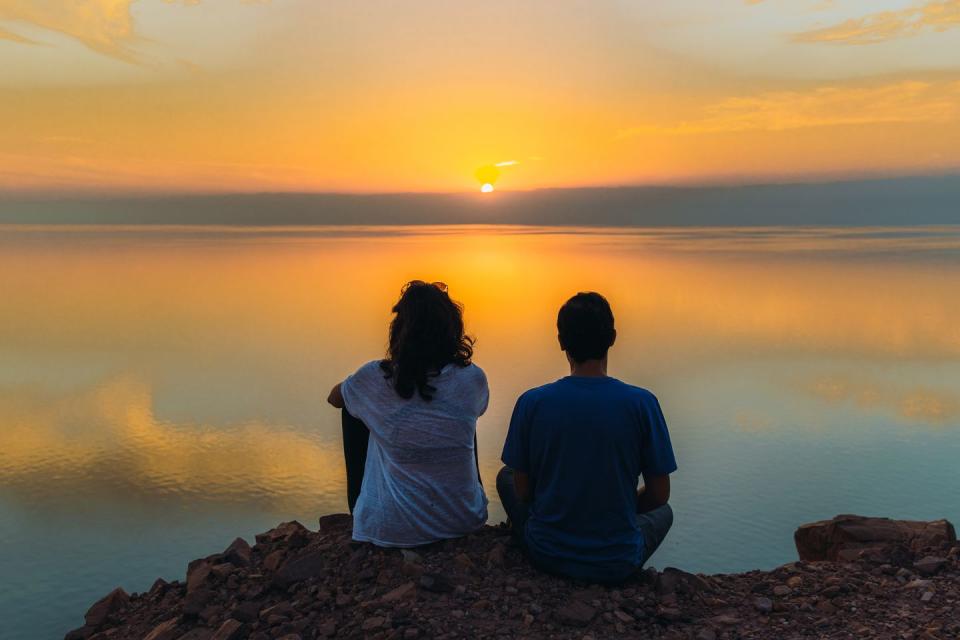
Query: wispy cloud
{"x": 881, "y": 26}
{"x": 507, "y": 163}
{"x": 105, "y": 26}
{"x": 909, "y": 101}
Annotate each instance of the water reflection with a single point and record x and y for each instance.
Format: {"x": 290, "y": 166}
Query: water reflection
{"x": 105, "y": 444}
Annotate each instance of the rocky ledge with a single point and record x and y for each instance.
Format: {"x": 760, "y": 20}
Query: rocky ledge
{"x": 857, "y": 578}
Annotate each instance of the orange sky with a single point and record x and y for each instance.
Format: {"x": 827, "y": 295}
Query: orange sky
{"x": 378, "y": 95}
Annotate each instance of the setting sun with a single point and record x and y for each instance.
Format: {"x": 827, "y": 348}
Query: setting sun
{"x": 486, "y": 188}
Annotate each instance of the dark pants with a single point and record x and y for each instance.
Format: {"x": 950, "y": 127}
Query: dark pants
{"x": 653, "y": 524}
{"x": 356, "y": 438}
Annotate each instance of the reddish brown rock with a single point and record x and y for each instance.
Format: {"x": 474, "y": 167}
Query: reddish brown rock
{"x": 846, "y": 536}
{"x": 163, "y": 631}
{"x": 102, "y": 608}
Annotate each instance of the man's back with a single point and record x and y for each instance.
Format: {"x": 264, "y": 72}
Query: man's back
{"x": 585, "y": 441}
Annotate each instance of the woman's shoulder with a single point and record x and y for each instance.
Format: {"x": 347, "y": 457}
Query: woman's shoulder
{"x": 471, "y": 374}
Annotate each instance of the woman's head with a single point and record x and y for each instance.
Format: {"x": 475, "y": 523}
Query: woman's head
{"x": 426, "y": 334}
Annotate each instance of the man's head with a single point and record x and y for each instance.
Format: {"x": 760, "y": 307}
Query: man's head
{"x": 585, "y": 327}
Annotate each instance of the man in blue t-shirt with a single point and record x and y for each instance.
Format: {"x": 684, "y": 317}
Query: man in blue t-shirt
{"x": 575, "y": 451}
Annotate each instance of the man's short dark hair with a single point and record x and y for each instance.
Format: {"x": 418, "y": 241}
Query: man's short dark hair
{"x": 585, "y": 325}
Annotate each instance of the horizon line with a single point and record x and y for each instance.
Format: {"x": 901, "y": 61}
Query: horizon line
{"x": 746, "y": 182}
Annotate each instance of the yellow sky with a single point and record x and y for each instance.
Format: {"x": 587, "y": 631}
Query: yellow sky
{"x": 378, "y": 95}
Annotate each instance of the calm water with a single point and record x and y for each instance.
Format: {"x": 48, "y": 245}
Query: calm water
{"x": 163, "y": 391}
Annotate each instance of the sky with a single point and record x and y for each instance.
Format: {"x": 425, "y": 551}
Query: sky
{"x": 181, "y": 96}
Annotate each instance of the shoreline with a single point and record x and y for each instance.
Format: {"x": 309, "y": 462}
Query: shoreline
{"x": 866, "y": 577}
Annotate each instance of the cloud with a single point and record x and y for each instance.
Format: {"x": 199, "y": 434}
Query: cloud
{"x": 901, "y": 102}
{"x": 105, "y": 26}
{"x": 507, "y": 163}
{"x": 9, "y": 35}
{"x": 887, "y": 25}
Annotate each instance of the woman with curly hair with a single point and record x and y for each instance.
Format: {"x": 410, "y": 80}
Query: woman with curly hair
{"x": 410, "y": 424}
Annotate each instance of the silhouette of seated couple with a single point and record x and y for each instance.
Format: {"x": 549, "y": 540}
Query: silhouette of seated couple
{"x": 574, "y": 453}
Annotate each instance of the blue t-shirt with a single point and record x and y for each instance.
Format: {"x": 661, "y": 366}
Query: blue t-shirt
{"x": 585, "y": 441}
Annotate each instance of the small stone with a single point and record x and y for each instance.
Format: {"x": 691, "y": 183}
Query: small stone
{"x": 927, "y": 596}
{"x": 929, "y": 565}
{"x": 576, "y": 613}
{"x": 327, "y": 629}
{"x": 163, "y": 631}
{"x": 726, "y": 620}
{"x": 782, "y": 590}
{"x": 229, "y": 630}
{"x": 670, "y": 614}
{"x": 411, "y": 557}
{"x": 246, "y": 612}
{"x": 405, "y": 591}
{"x": 373, "y": 623}
{"x": 436, "y": 583}
{"x": 706, "y": 633}
{"x": 464, "y": 562}
{"x": 794, "y": 582}
{"x": 411, "y": 634}
{"x": 623, "y": 616}
{"x": 763, "y": 605}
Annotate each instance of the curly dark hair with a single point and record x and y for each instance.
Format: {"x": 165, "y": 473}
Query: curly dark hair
{"x": 426, "y": 334}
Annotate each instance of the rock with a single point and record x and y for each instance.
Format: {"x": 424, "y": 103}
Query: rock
{"x": 435, "y": 582}
{"x": 672, "y": 580}
{"x": 576, "y": 613}
{"x": 238, "y": 553}
{"x": 411, "y": 557}
{"x": 300, "y": 567}
{"x": 706, "y": 633}
{"x": 282, "y": 532}
{"x": 246, "y": 612}
{"x": 929, "y": 565}
{"x": 82, "y": 633}
{"x": 229, "y": 630}
{"x": 102, "y": 608}
{"x": 825, "y": 540}
{"x": 282, "y": 609}
{"x": 763, "y": 605}
{"x": 163, "y": 631}
{"x": 196, "y": 600}
{"x": 273, "y": 560}
{"x": 497, "y": 555}
{"x": 327, "y": 629}
{"x": 927, "y": 596}
{"x": 726, "y": 620}
{"x": 373, "y": 623}
{"x": 623, "y": 616}
{"x": 335, "y": 522}
{"x": 197, "y": 634}
{"x": 782, "y": 590}
{"x": 197, "y": 573}
{"x": 406, "y": 591}
{"x": 794, "y": 582}
{"x": 464, "y": 562}
{"x": 411, "y": 634}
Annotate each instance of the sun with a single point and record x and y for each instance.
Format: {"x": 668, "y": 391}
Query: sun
{"x": 486, "y": 188}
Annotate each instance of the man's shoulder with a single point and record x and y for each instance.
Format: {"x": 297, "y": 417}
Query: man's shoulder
{"x": 544, "y": 390}
{"x": 639, "y": 393}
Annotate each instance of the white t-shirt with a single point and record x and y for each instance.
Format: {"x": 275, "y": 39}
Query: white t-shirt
{"x": 420, "y": 482}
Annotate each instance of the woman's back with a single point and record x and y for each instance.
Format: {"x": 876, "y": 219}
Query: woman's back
{"x": 421, "y": 482}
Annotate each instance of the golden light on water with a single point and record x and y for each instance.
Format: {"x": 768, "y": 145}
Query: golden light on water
{"x": 486, "y": 188}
